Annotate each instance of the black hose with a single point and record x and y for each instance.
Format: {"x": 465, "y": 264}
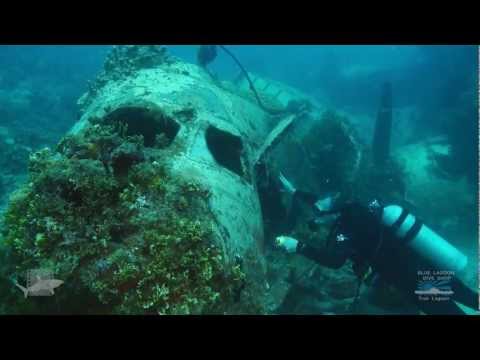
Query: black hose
{"x": 252, "y": 87}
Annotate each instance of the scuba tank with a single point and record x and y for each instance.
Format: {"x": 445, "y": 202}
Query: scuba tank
{"x": 423, "y": 240}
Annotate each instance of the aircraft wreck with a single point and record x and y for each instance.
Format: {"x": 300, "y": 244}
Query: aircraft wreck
{"x": 154, "y": 202}
{"x": 150, "y": 203}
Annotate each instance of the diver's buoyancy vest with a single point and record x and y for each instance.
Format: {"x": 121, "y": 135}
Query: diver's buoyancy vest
{"x": 423, "y": 240}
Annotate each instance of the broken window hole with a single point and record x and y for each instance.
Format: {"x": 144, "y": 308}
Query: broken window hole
{"x": 226, "y": 149}
{"x": 152, "y": 124}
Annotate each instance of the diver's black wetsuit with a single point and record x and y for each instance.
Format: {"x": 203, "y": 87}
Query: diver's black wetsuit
{"x": 358, "y": 234}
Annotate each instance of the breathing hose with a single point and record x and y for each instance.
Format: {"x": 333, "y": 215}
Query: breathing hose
{"x": 252, "y": 87}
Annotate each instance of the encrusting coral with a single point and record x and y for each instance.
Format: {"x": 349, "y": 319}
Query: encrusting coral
{"x": 122, "y": 61}
{"x": 105, "y": 214}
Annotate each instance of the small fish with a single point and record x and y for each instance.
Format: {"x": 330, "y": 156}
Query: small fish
{"x": 40, "y": 285}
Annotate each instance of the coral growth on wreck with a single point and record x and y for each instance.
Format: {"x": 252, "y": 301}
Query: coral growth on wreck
{"x": 328, "y": 155}
{"x": 105, "y": 214}
{"x": 123, "y": 61}
{"x": 332, "y": 149}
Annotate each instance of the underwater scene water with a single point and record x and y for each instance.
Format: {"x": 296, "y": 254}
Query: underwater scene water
{"x": 242, "y": 179}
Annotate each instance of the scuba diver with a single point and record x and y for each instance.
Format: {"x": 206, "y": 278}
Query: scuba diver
{"x": 391, "y": 242}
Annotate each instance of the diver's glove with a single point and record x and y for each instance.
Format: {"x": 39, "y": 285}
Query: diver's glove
{"x": 287, "y": 184}
{"x": 287, "y": 243}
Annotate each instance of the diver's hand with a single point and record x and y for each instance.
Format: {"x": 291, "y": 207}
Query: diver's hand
{"x": 287, "y": 243}
{"x": 286, "y": 184}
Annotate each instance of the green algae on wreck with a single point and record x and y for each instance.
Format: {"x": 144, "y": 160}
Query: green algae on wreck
{"x": 135, "y": 241}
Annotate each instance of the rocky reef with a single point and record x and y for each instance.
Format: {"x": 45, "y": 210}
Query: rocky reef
{"x": 13, "y": 163}
{"x": 34, "y": 94}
